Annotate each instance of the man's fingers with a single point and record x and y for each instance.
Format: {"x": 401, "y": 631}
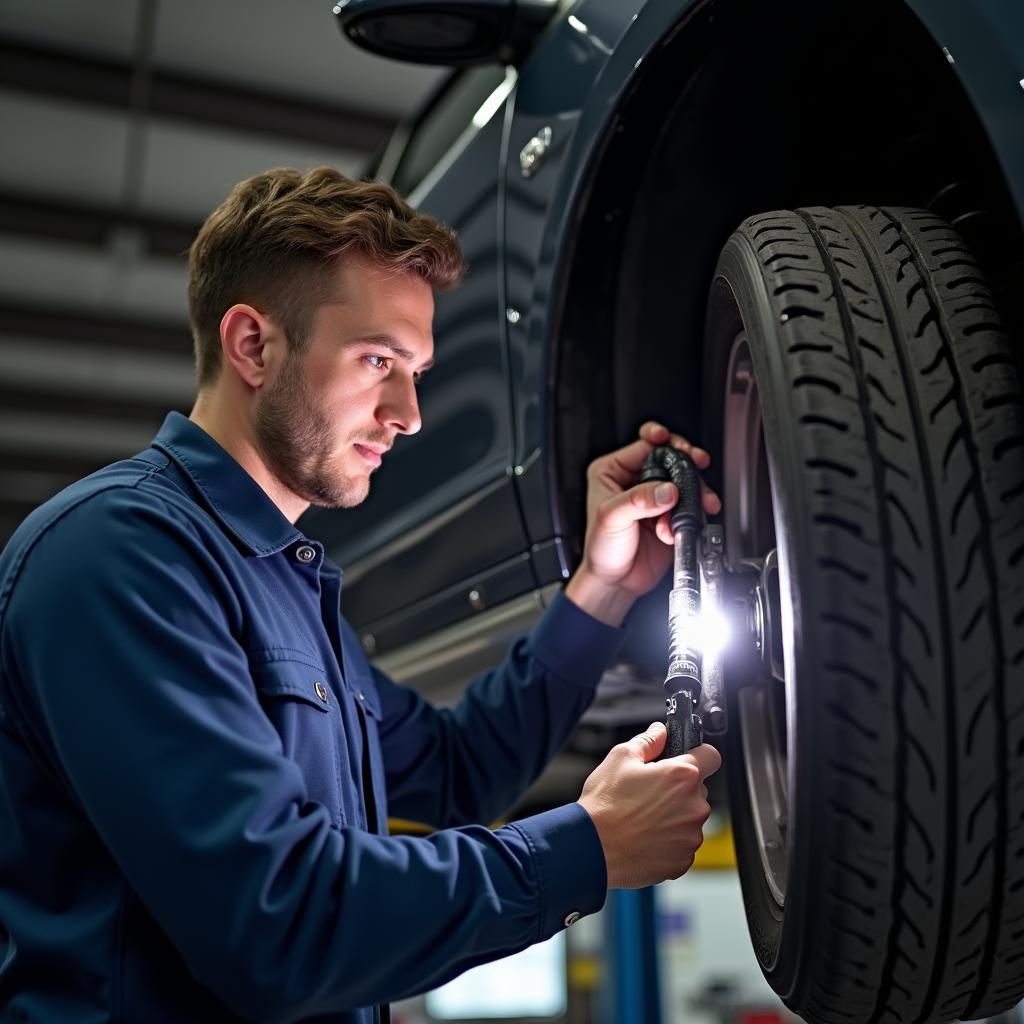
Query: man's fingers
{"x": 649, "y": 744}
{"x": 707, "y": 759}
{"x": 623, "y": 464}
{"x": 641, "y": 502}
{"x": 656, "y": 433}
{"x": 711, "y": 501}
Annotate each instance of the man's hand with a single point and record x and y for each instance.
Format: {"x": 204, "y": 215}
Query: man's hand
{"x": 649, "y": 814}
{"x": 628, "y": 545}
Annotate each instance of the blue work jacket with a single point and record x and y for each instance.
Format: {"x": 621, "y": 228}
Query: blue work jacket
{"x": 197, "y": 764}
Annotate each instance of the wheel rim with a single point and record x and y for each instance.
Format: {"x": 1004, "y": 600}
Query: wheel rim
{"x": 750, "y": 541}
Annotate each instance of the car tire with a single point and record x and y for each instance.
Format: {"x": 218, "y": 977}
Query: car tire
{"x": 868, "y": 407}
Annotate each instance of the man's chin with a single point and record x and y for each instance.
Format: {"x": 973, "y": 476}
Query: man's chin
{"x": 354, "y": 491}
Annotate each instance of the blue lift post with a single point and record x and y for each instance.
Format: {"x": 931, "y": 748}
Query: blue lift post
{"x": 633, "y": 992}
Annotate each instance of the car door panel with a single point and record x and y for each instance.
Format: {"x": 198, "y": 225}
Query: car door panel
{"x": 442, "y": 509}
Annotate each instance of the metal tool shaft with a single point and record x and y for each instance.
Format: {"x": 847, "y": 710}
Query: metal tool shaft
{"x": 684, "y": 615}
{"x": 683, "y": 680}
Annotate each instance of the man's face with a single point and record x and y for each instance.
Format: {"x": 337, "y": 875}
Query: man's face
{"x": 326, "y": 421}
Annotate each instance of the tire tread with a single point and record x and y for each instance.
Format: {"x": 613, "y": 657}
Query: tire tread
{"x": 909, "y": 421}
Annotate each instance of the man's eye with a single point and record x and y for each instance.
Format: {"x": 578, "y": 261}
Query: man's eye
{"x": 378, "y": 362}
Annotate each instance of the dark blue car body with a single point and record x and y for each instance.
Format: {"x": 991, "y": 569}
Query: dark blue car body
{"x": 659, "y": 126}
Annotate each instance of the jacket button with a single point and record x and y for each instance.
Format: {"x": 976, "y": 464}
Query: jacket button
{"x": 321, "y": 690}
{"x": 571, "y": 919}
{"x": 305, "y": 553}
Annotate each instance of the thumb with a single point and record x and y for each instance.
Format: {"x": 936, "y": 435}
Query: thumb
{"x": 641, "y": 502}
{"x": 647, "y": 746}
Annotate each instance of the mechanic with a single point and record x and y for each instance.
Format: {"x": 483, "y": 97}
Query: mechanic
{"x": 197, "y": 762}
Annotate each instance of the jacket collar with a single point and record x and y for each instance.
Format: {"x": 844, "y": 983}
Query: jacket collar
{"x": 235, "y": 499}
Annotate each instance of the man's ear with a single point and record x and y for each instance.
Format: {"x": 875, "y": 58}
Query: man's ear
{"x": 249, "y": 342}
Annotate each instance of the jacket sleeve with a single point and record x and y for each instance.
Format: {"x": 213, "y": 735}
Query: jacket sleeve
{"x": 123, "y": 642}
{"x": 470, "y": 763}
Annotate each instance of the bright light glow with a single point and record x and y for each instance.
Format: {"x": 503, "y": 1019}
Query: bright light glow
{"x": 715, "y": 631}
{"x": 577, "y": 24}
{"x": 707, "y": 632}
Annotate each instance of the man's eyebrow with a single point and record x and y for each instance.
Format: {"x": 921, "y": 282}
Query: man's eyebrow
{"x": 386, "y": 341}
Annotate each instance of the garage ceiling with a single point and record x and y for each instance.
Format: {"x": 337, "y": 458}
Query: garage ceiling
{"x": 123, "y": 124}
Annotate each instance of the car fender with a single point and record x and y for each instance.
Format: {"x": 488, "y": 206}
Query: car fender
{"x": 578, "y": 100}
{"x": 984, "y": 42}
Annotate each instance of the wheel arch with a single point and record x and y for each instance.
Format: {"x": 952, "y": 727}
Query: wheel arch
{"x": 712, "y": 127}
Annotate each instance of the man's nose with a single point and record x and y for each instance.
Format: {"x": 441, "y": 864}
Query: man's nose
{"x": 400, "y": 408}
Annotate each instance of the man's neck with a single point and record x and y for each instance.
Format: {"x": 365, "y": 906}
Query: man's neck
{"x": 230, "y": 429}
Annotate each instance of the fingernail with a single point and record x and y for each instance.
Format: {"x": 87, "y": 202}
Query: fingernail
{"x": 664, "y": 493}
{"x": 655, "y": 726}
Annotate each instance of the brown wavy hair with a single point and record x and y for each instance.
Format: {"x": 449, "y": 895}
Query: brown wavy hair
{"x": 275, "y": 241}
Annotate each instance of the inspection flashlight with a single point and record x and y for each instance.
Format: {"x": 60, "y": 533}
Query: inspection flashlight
{"x": 715, "y": 611}
{"x": 697, "y": 625}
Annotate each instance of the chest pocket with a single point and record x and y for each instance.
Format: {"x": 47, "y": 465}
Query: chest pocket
{"x": 303, "y": 709}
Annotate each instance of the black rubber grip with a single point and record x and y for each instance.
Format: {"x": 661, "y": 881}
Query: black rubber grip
{"x": 666, "y": 463}
{"x": 684, "y": 734}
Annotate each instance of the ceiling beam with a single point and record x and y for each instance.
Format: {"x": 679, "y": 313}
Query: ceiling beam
{"x": 90, "y": 407}
{"x": 85, "y": 438}
{"x": 35, "y": 367}
{"x": 88, "y": 325}
{"x": 109, "y": 82}
{"x": 65, "y": 465}
{"x": 92, "y": 223}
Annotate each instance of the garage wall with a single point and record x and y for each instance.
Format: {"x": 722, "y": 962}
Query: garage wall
{"x": 122, "y": 125}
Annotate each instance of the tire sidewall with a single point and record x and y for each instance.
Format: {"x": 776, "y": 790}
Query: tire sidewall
{"x": 739, "y": 300}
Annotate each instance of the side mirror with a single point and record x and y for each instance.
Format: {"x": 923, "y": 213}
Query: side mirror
{"x": 451, "y": 32}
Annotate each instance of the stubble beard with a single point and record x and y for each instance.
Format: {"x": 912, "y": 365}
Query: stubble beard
{"x": 297, "y": 441}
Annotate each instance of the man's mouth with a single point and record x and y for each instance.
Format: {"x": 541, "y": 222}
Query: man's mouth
{"x": 372, "y": 453}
